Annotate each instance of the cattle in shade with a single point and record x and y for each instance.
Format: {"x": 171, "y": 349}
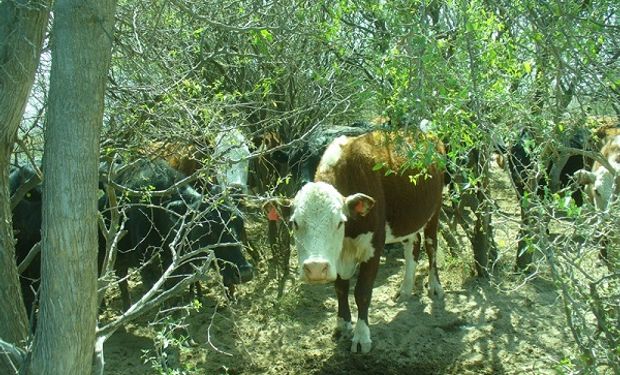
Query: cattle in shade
{"x": 559, "y": 171}
{"x": 270, "y": 166}
{"x": 557, "y": 177}
{"x": 150, "y": 227}
{"x": 223, "y": 160}
{"x": 298, "y": 158}
{"x": 232, "y": 157}
{"x": 24, "y": 181}
{"x": 154, "y": 223}
{"x": 603, "y": 181}
{"x": 304, "y": 159}
{"x": 300, "y": 161}
{"x": 366, "y": 194}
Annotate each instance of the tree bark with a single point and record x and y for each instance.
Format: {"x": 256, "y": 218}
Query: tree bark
{"x": 65, "y": 336}
{"x": 22, "y": 28}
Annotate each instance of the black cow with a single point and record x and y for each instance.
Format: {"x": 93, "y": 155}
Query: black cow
{"x": 148, "y": 228}
{"x": 154, "y": 222}
{"x": 27, "y": 229}
{"x": 304, "y": 160}
{"x": 558, "y": 175}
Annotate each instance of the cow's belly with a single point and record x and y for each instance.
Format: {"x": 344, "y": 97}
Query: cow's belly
{"x": 391, "y": 237}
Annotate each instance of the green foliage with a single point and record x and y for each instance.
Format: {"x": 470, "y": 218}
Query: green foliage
{"x": 474, "y": 72}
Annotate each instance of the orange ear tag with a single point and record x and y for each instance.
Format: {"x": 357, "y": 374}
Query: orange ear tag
{"x": 272, "y": 215}
{"x": 359, "y": 207}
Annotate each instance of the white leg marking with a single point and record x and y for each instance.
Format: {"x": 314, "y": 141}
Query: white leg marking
{"x": 434, "y": 286}
{"x": 406, "y": 288}
{"x": 361, "y": 336}
{"x": 342, "y": 326}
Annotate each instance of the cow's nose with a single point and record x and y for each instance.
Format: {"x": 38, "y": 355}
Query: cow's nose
{"x": 316, "y": 270}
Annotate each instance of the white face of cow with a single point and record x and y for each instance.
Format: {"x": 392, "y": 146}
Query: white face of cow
{"x": 232, "y": 148}
{"x": 604, "y": 186}
{"x": 602, "y": 189}
{"x": 318, "y": 218}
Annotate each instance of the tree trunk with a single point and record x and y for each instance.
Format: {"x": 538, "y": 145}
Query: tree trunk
{"x": 22, "y": 27}
{"x": 65, "y": 336}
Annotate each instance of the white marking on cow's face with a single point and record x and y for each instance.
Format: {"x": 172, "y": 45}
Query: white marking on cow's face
{"x": 318, "y": 228}
{"x": 354, "y": 251}
{"x": 603, "y": 188}
{"x": 231, "y": 147}
{"x": 361, "y": 336}
{"x": 332, "y": 154}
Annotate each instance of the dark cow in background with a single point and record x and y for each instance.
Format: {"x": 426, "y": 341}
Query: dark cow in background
{"x": 150, "y": 227}
{"x": 345, "y": 217}
{"x": 24, "y": 181}
{"x": 559, "y": 171}
{"x": 299, "y": 160}
{"x": 155, "y": 223}
{"x": 304, "y": 159}
{"x": 557, "y": 176}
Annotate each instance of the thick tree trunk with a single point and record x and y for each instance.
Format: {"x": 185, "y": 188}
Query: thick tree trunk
{"x": 65, "y": 336}
{"x": 22, "y": 27}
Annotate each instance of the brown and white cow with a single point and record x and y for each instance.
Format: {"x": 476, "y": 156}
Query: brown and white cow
{"x": 363, "y": 197}
{"x": 603, "y": 182}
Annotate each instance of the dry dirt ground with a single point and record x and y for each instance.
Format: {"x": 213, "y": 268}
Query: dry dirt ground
{"x": 500, "y": 326}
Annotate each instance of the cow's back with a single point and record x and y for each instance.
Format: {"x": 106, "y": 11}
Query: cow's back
{"x": 376, "y": 164}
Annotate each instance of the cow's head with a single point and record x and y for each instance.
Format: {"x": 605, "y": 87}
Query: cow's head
{"x": 318, "y": 220}
{"x": 603, "y": 183}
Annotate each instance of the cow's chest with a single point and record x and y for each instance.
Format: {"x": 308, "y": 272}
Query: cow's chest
{"x": 354, "y": 251}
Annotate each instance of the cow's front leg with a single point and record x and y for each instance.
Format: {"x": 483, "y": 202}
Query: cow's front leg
{"x": 363, "y": 294}
{"x": 412, "y": 257}
{"x": 430, "y": 244}
{"x": 343, "y": 324}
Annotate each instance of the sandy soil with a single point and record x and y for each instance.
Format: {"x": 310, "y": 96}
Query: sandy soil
{"x": 498, "y": 326}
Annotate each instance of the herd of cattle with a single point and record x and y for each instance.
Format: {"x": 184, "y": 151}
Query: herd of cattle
{"x": 357, "y": 191}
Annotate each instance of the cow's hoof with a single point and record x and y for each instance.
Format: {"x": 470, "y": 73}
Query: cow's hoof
{"x": 435, "y": 291}
{"x": 396, "y": 297}
{"x": 361, "y": 337}
{"x": 343, "y": 328}
{"x": 405, "y": 291}
{"x": 363, "y": 346}
{"x": 401, "y": 297}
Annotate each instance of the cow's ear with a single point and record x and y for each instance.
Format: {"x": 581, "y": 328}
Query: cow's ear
{"x": 359, "y": 204}
{"x": 277, "y": 209}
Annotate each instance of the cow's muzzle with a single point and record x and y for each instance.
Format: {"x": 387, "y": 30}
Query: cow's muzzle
{"x": 316, "y": 271}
